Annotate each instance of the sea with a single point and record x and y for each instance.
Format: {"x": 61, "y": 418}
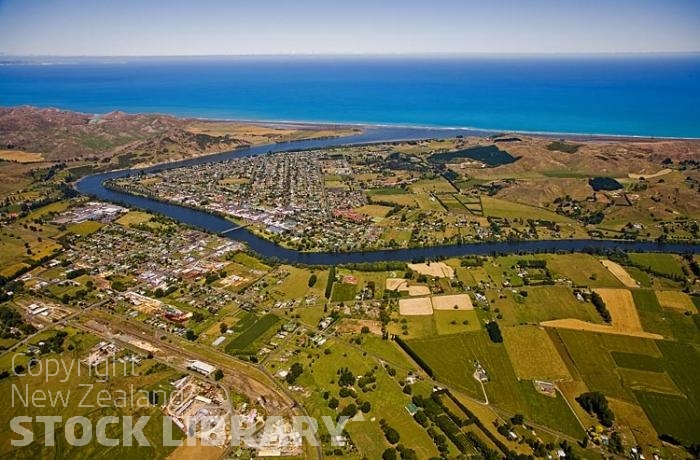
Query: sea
{"x": 625, "y": 95}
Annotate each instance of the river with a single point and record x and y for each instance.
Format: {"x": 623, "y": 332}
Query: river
{"x": 93, "y": 185}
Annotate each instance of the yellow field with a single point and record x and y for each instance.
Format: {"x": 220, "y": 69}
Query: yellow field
{"x": 10, "y": 270}
{"x": 416, "y": 291}
{"x": 620, "y": 273}
{"x": 449, "y": 302}
{"x": 622, "y": 309}
{"x": 434, "y": 269}
{"x": 21, "y": 157}
{"x": 396, "y": 284}
{"x": 649, "y": 176}
{"x": 533, "y": 354}
{"x": 198, "y": 451}
{"x": 676, "y": 300}
{"x": 415, "y": 307}
{"x": 579, "y": 325}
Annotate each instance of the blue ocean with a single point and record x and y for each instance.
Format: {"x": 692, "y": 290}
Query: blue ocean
{"x": 617, "y": 95}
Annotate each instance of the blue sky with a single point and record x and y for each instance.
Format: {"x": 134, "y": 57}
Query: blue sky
{"x": 208, "y": 27}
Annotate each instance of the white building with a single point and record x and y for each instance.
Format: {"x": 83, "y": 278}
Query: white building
{"x": 201, "y": 367}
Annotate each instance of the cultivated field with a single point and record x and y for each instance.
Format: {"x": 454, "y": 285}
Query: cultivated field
{"x": 434, "y": 269}
{"x": 494, "y": 207}
{"x": 578, "y": 325}
{"x": 396, "y": 284}
{"x": 676, "y": 300}
{"x": 662, "y": 263}
{"x": 620, "y": 273}
{"x": 533, "y": 354}
{"x": 582, "y": 270}
{"x": 504, "y": 389}
{"x": 452, "y": 302}
{"x": 415, "y": 291}
{"x": 621, "y": 306}
{"x": 415, "y": 307}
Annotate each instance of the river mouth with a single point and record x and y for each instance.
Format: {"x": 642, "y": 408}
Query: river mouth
{"x": 93, "y": 185}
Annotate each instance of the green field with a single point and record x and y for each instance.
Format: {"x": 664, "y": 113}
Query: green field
{"x": 452, "y": 321}
{"x": 72, "y": 398}
{"x": 452, "y": 359}
{"x": 85, "y": 228}
{"x": 667, "y": 264}
{"x": 650, "y": 312}
{"x": 495, "y": 207}
{"x": 251, "y": 333}
{"x": 637, "y": 361}
{"x": 343, "y": 292}
{"x": 582, "y": 270}
{"x": 387, "y": 400}
{"x": 671, "y": 415}
{"x": 594, "y": 363}
{"x": 544, "y": 303}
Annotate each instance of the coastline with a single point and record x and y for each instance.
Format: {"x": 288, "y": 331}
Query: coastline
{"x": 493, "y": 131}
{"x": 364, "y": 125}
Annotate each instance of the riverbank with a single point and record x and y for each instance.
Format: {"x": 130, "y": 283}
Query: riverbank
{"x": 94, "y": 186}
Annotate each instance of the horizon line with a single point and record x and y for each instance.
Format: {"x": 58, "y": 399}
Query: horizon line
{"x": 4, "y": 55}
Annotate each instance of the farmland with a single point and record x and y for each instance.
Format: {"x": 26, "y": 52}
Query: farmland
{"x": 533, "y": 354}
{"x": 250, "y": 331}
{"x": 504, "y": 389}
{"x": 666, "y": 264}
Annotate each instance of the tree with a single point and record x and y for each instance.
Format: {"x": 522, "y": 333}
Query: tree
{"x": 349, "y": 411}
{"x": 517, "y": 419}
{"x": 190, "y": 335}
{"x": 600, "y": 306}
{"x": 594, "y": 402}
{"x": 391, "y": 435}
{"x": 294, "y": 372}
{"x": 197, "y": 317}
{"x": 365, "y": 407}
{"x": 218, "y": 374}
{"x": 333, "y": 403}
{"x": 312, "y": 280}
{"x": 223, "y": 328}
{"x": 389, "y": 454}
{"x": 494, "y": 332}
